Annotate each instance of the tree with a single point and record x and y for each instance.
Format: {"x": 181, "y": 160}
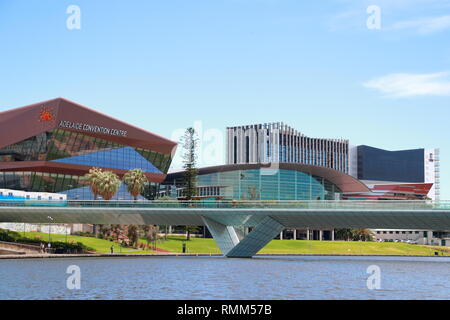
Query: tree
{"x": 93, "y": 178}
{"x": 344, "y": 234}
{"x": 135, "y": 180}
{"x": 108, "y": 185}
{"x": 354, "y": 234}
{"x": 190, "y": 142}
{"x": 151, "y": 234}
{"x": 104, "y": 231}
{"x": 133, "y": 235}
{"x": 362, "y": 235}
{"x": 189, "y": 230}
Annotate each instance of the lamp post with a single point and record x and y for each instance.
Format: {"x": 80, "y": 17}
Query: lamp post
{"x": 49, "y": 227}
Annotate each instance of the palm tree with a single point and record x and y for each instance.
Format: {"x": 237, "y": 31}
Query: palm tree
{"x": 93, "y": 178}
{"x": 135, "y": 180}
{"x": 344, "y": 234}
{"x": 108, "y": 185}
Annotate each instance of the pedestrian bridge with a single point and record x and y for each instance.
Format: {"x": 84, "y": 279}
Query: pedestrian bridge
{"x": 227, "y": 220}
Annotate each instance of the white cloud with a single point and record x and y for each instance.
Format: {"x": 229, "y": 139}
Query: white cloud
{"x": 409, "y": 85}
{"x": 424, "y": 25}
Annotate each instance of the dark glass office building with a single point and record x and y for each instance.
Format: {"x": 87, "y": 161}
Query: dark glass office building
{"x": 49, "y": 146}
{"x": 397, "y": 166}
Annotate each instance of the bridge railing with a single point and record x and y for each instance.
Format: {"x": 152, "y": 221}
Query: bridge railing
{"x": 244, "y": 204}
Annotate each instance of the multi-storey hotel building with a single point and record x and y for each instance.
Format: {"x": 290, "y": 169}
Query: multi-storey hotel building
{"x": 279, "y": 143}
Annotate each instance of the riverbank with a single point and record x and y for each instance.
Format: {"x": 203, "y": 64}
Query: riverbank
{"x": 173, "y": 245}
{"x": 159, "y": 255}
{"x": 103, "y": 255}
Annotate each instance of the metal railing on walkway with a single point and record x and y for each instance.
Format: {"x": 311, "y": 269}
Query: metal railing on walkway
{"x": 244, "y": 204}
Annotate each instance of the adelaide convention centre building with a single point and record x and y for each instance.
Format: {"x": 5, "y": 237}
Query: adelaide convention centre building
{"x": 48, "y": 147}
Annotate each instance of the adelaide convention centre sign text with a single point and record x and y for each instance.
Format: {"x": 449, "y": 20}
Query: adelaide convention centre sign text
{"x": 92, "y": 128}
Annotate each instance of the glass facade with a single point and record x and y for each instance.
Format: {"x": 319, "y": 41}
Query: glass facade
{"x": 77, "y": 149}
{"x": 39, "y": 181}
{"x": 266, "y": 184}
{"x": 71, "y": 185}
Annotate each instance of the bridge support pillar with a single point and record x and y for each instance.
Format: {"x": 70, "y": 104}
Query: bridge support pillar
{"x": 232, "y": 246}
{"x": 226, "y": 237}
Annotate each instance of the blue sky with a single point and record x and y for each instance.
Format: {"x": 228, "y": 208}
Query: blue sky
{"x": 315, "y": 65}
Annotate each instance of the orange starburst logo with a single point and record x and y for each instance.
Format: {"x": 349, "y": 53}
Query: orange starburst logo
{"x": 46, "y": 115}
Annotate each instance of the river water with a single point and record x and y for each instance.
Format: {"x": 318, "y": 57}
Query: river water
{"x": 289, "y": 277}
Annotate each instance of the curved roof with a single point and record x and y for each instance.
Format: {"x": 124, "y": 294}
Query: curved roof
{"x": 343, "y": 181}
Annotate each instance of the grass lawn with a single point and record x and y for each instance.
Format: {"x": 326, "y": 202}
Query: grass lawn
{"x": 99, "y": 245}
{"x": 345, "y": 247}
{"x": 199, "y": 245}
{"x": 195, "y": 245}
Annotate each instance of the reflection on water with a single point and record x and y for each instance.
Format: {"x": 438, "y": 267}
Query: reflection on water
{"x": 222, "y": 278}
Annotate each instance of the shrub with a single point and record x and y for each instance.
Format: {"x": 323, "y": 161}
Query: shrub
{"x": 9, "y": 236}
{"x": 84, "y": 234}
{"x": 12, "y": 236}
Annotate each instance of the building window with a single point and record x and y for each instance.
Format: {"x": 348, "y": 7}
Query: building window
{"x": 247, "y": 149}
{"x": 235, "y": 150}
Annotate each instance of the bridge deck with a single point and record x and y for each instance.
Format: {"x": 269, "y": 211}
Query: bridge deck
{"x": 225, "y": 219}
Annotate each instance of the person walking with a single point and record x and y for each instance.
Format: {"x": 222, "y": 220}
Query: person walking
{"x": 112, "y": 249}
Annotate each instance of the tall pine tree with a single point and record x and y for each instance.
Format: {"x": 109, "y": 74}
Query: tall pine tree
{"x": 190, "y": 143}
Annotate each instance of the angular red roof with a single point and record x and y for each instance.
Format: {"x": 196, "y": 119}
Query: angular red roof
{"x": 25, "y": 122}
